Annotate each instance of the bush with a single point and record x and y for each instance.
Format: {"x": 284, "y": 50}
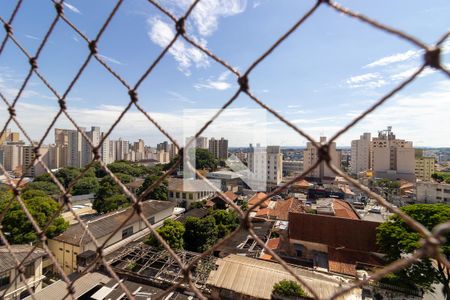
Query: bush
{"x": 289, "y": 288}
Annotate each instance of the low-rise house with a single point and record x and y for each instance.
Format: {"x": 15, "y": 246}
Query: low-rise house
{"x": 187, "y": 191}
{"x": 281, "y": 210}
{"x": 75, "y": 240}
{"x": 11, "y": 285}
{"x": 218, "y": 203}
{"x": 432, "y": 192}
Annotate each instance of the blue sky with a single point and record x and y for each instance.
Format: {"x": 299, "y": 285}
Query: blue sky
{"x": 327, "y": 72}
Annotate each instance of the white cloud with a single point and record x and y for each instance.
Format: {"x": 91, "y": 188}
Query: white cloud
{"x": 72, "y": 8}
{"x": 363, "y": 78}
{"x": 112, "y": 60}
{"x": 368, "y": 80}
{"x": 32, "y": 37}
{"x": 218, "y": 83}
{"x": 162, "y": 33}
{"x": 396, "y": 58}
{"x": 203, "y": 22}
{"x": 180, "y": 98}
{"x": 207, "y": 13}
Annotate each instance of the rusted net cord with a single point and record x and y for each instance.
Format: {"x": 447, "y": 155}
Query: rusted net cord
{"x": 431, "y": 240}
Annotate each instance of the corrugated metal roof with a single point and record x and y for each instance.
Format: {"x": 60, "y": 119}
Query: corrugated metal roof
{"x": 256, "y": 278}
{"x": 7, "y": 261}
{"x": 82, "y": 285}
{"x": 106, "y": 224}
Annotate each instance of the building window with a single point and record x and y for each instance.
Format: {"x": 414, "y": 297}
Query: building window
{"x": 446, "y": 191}
{"x": 439, "y": 190}
{"x": 171, "y": 194}
{"x": 184, "y": 196}
{"x": 29, "y": 270}
{"x": 127, "y": 232}
{"x": 4, "y": 280}
{"x": 151, "y": 220}
{"x": 191, "y": 196}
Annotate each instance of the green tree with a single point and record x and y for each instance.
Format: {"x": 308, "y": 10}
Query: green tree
{"x": 67, "y": 175}
{"x": 16, "y": 225}
{"x": 109, "y": 196}
{"x": 396, "y": 239}
{"x": 289, "y": 288}
{"x": 86, "y": 185}
{"x": 110, "y": 203}
{"x": 441, "y": 177}
{"x": 172, "y": 232}
{"x": 129, "y": 168}
{"x": 49, "y": 188}
{"x": 226, "y": 221}
{"x": 204, "y": 160}
{"x": 200, "y": 234}
{"x": 158, "y": 193}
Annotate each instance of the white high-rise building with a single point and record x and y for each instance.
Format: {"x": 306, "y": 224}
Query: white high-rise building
{"x": 94, "y": 135}
{"x": 393, "y": 158}
{"x": 257, "y": 165}
{"x": 360, "y": 154}
{"x": 311, "y": 156}
{"x": 122, "y": 148}
{"x": 74, "y": 148}
{"x": 105, "y": 150}
{"x": 274, "y": 166}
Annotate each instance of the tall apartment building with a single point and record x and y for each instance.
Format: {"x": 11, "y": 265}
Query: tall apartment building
{"x": 30, "y": 168}
{"x": 219, "y": 148}
{"x": 62, "y": 136}
{"x": 311, "y": 156}
{"x": 200, "y": 142}
{"x": 12, "y": 155}
{"x": 173, "y": 151}
{"x": 257, "y": 165}
{"x": 164, "y": 146}
{"x": 360, "y": 154}
{"x": 74, "y": 148}
{"x": 432, "y": 192}
{"x": 95, "y": 136}
{"x": 105, "y": 150}
{"x": 424, "y": 167}
{"x": 392, "y": 158}
{"x": 274, "y": 166}
{"x": 122, "y": 148}
{"x": 57, "y": 156}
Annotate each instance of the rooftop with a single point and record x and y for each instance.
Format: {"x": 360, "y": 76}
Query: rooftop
{"x": 335, "y": 232}
{"x": 106, "y": 224}
{"x": 191, "y": 185}
{"x": 81, "y": 285}
{"x": 256, "y": 278}
{"x": 7, "y": 261}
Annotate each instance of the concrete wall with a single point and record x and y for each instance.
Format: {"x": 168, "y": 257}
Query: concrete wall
{"x": 432, "y": 192}
{"x": 18, "y": 286}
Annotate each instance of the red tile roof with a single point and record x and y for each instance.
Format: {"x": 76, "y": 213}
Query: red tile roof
{"x": 273, "y": 243}
{"x": 344, "y": 261}
{"x": 343, "y": 209}
{"x": 256, "y": 198}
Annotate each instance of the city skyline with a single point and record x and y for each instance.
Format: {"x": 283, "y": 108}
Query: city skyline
{"x": 320, "y": 94}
